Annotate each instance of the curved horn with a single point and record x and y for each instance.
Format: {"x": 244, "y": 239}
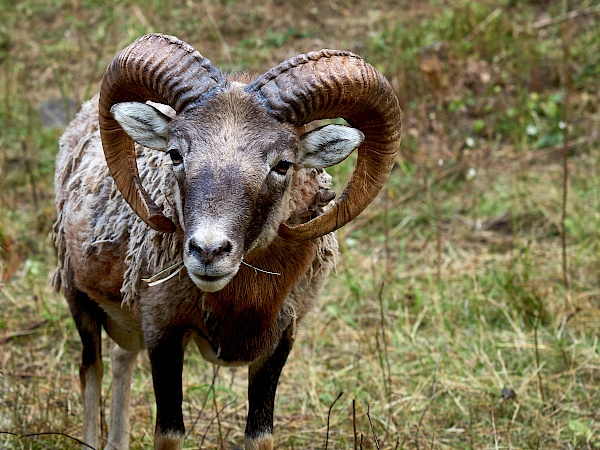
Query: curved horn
{"x": 329, "y": 84}
{"x": 162, "y": 69}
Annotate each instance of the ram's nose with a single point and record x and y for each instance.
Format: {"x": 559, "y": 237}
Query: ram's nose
{"x": 211, "y": 259}
{"x": 209, "y": 251}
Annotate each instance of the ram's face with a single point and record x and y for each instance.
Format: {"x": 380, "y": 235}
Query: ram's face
{"x": 233, "y": 163}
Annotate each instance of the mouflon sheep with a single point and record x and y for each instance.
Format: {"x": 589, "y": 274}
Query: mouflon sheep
{"x": 225, "y": 189}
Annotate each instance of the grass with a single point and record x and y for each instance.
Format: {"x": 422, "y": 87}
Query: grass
{"x": 452, "y": 322}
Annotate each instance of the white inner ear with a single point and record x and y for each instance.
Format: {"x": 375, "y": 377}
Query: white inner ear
{"x": 145, "y": 124}
{"x": 328, "y": 145}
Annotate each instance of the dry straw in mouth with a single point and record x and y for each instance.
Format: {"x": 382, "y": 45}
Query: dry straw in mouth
{"x": 178, "y": 267}
{"x": 155, "y": 279}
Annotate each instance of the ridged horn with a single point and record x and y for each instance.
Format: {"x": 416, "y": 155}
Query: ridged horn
{"x": 330, "y": 84}
{"x": 162, "y": 69}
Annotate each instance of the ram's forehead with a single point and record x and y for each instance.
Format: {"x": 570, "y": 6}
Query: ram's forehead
{"x": 233, "y": 120}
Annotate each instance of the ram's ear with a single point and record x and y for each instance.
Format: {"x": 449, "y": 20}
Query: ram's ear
{"x": 144, "y": 123}
{"x": 328, "y": 145}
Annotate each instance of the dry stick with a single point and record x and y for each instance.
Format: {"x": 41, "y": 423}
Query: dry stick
{"x": 49, "y": 433}
{"x": 213, "y": 419}
{"x": 438, "y": 223}
{"x": 483, "y": 24}
{"x": 27, "y": 159}
{"x": 218, "y": 423}
{"x": 386, "y": 234}
{"x": 537, "y": 354}
{"x": 565, "y": 154}
{"x": 568, "y": 16}
{"x": 211, "y": 388}
{"x": 354, "y": 420}
{"x": 372, "y": 427}
{"x": 549, "y": 152}
{"x": 387, "y": 380}
{"x": 328, "y": 417}
{"x": 29, "y": 330}
{"x": 433, "y": 386}
{"x": 217, "y": 31}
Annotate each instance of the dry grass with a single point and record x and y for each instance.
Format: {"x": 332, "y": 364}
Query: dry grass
{"x": 449, "y": 322}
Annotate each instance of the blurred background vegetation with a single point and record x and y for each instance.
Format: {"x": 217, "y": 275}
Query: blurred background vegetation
{"x": 466, "y": 307}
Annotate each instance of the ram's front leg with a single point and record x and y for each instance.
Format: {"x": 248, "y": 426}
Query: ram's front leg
{"x": 166, "y": 359}
{"x": 262, "y": 383}
{"x": 122, "y": 363}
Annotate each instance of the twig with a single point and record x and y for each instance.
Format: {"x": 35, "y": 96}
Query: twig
{"x": 29, "y": 170}
{"x": 387, "y": 378}
{"x": 433, "y": 387}
{"x": 328, "y": 417}
{"x": 354, "y": 421}
{"x": 29, "y": 330}
{"x": 559, "y": 148}
{"x": 213, "y": 419}
{"x": 218, "y": 423}
{"x": 211, "y": 388}
{"x": 372, "y": 427}
{"x": 48, "y": 433}
{"x": 567, "y": 16}
{"x": 140, "y": 16}
{"x": 537, "y": 353}
{"x": 566, "y": 40}
{"x": 484, "y": 23}
{"x": 217, "y": 30}
{"x": 494, "y": 430}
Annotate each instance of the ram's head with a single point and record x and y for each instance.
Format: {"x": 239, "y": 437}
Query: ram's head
{"x": 235, "y": 146}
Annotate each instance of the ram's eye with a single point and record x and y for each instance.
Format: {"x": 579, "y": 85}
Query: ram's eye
{"x": 282, "y": 167}
{"x": 175, "y": 156}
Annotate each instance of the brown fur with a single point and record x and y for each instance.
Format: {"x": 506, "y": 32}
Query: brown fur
{"x": 244, "y": 322}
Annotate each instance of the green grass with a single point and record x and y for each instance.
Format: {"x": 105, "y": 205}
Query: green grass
{"x": 450, "y": 324}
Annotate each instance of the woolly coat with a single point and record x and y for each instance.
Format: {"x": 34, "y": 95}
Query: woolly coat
{"x": 106, "y": 251}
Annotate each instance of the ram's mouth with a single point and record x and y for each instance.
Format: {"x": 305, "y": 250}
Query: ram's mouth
{"x": 211, "y": 283}
{"x": 208, "y": 278}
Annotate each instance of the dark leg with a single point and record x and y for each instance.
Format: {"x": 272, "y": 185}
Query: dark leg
{"x": 262, "y": 384}
{"x": 88, "y": 318}
{"x": 166, "y": 358}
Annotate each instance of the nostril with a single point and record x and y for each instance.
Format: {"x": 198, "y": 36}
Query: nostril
{"x": 208, "y": 252}
{"x": 224, "y": 248}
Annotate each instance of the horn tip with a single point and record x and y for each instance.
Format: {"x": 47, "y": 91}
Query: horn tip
{"x": 297, "y": 233}
{"x": 161, "y": 223}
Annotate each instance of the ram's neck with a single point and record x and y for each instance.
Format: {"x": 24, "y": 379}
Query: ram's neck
{"x": 243, "y": 318}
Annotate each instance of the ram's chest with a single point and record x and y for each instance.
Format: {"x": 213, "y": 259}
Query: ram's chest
{"x": 232, "y": 335}
{"x": 243, "y": 320}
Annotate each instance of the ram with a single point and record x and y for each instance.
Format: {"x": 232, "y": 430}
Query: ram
{"x": 218, "y": 226}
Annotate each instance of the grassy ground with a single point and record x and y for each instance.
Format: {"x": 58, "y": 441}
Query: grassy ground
{"x": 466, "y": 307}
